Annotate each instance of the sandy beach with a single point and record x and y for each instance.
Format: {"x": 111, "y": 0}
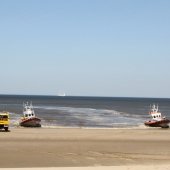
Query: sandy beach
{"x": 62, "y": 148}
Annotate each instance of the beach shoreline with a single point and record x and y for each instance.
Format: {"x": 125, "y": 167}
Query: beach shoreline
{"x": 79, "y": 147}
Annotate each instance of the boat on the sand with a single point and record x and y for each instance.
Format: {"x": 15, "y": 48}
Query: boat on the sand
{"x": 157, "y": 119}
{"x": 29, "y": 119}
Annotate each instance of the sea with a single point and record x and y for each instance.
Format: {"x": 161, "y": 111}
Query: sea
{"x": 84, "y": 112}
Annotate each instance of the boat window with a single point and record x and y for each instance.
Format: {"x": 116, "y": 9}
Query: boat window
{"x": 32, "y": 114}
{"x": 29, "y": 114}
{"x": 26, "y": 115}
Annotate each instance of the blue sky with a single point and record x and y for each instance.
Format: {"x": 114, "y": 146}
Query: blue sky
{"x": 85, "y": 47}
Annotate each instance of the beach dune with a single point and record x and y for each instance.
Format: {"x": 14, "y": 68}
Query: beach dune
{"x": 69, "y": 147}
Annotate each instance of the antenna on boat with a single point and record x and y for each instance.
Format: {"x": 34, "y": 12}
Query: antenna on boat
{"x": 157, "y": 107}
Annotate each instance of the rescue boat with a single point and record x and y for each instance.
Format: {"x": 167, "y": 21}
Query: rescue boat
{"x": 157, "y": 119}
{"x": 29, "y": 119}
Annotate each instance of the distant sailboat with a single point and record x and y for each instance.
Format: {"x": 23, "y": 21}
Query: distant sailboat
{"x": 62, "y": 94}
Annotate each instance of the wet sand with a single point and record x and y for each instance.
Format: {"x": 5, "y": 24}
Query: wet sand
{"x": 121, "y": 148}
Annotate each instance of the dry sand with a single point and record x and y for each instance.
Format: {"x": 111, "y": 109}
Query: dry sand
{"x": 137, "y": 167}
{"x": 118, "y": 148}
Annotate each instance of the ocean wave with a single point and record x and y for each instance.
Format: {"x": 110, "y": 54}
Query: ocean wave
{"x": 57, "y": 116}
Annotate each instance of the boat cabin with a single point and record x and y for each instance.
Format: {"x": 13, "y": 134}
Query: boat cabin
{"x": 156, "y": 115}
{"x": 28, "y": 111}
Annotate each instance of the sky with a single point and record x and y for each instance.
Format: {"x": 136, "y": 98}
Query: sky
{"x": 115, "y": 48}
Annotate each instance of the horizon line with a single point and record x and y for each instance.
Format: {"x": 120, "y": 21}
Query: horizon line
{"x": 49, "y": 95}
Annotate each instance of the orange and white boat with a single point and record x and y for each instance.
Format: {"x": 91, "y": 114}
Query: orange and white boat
{"x": 29, "y": 119}
{"x": 157, "y": 119}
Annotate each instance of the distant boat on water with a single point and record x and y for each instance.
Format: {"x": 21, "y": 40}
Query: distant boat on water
{"x": 62, "y": 94}
{"x": 29, "y": 119}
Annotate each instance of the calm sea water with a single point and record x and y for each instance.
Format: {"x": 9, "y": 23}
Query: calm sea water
{"x": 100, "y": 112}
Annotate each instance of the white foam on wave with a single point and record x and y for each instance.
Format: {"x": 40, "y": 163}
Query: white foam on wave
{"x": 14, "y": 119}
{"x": 81, "y": 117}
{"x": 79, "y": 110}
